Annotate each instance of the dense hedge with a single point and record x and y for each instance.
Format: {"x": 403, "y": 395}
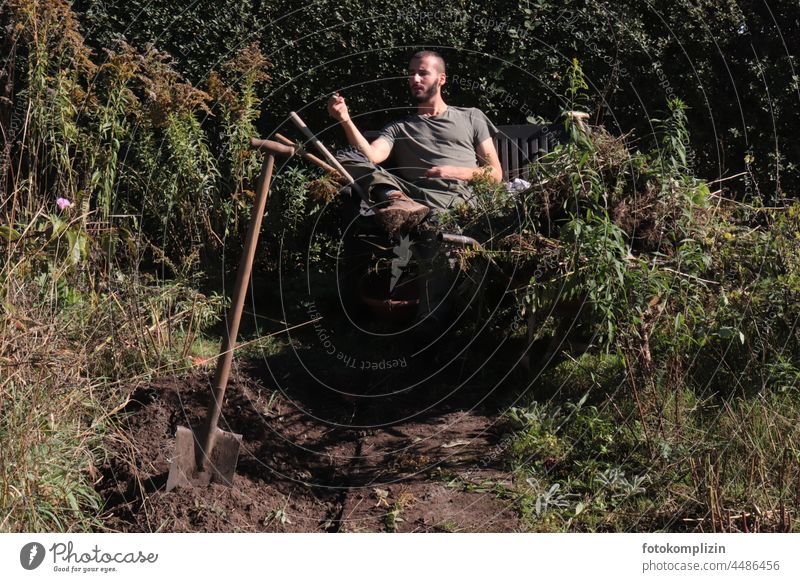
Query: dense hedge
{"x": 731, "y": 62}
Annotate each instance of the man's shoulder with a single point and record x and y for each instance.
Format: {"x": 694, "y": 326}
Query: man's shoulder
{"x": 414, "y": 118}
{"x": 463, "y": 109}
{"x": 413, "y": 123}
{"x": 466, "y": 111}
{"x": 469, "y": 115}
{"x": 400, "y": 121}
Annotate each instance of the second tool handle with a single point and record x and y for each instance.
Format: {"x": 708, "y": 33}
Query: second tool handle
{"x": 318, "y": 144}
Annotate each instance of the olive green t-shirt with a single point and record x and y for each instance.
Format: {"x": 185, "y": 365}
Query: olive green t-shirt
{"x": 449, "y": 139}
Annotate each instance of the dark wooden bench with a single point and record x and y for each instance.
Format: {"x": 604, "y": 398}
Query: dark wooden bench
{"x": 517, "y": 147}
{"x": 520, "y": 145}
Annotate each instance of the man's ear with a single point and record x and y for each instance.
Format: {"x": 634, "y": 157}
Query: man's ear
{"x": 442, "y": 79}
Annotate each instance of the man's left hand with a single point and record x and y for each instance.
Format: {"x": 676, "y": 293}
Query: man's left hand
{"x": 449, "y": 173}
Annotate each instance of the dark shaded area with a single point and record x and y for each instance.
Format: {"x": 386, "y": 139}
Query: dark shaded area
{"x": 350, "y": 420}
{"x": 315, "y": 459}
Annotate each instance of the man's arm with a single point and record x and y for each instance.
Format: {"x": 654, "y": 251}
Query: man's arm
{"x": 487, "y": 156}
{"x": 377, "y": 151}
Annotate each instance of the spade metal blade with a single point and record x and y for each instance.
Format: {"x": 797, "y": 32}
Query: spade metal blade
{"x": 219, "y": 468}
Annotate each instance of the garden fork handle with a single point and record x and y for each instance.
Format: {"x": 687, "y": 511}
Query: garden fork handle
{"x": 318, "y": 144}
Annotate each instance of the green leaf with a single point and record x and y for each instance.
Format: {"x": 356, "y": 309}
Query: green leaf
{"x": 724, "y": 333}
{"x": 9, "y": 233}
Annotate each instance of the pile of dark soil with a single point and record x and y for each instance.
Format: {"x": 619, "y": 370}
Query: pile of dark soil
{"x": 425, "y": 458}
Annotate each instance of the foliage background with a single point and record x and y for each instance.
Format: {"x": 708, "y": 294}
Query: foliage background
{"x": 732, "y": 62}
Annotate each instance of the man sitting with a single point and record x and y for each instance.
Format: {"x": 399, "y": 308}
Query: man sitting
{"x": 435, "y": 151}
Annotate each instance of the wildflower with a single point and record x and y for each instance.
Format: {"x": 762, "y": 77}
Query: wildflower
{"x": 63, "y": 203}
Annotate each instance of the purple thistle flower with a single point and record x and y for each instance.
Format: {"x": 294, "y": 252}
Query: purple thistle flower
{"x": 63, "y": 203}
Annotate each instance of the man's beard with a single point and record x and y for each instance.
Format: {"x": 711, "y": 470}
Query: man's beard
{"x": 427, "y": 95}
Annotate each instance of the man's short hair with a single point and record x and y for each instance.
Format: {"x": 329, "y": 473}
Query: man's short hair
{"x": 431, "y": 54}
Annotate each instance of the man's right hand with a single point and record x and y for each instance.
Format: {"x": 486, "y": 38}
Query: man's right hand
{"x": 337, "y": 108}
{"x": 377, "y": 151}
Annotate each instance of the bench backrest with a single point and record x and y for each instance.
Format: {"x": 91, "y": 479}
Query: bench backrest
{"x": 517, "y": 146}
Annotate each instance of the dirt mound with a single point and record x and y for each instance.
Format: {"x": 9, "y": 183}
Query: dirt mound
{"x": 311, "y": 461}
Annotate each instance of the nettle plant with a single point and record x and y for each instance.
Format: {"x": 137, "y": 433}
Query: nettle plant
{"x": 631, "y": 232}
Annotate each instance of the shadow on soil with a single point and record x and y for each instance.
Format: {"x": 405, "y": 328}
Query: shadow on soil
{"x": 344, "y": 429}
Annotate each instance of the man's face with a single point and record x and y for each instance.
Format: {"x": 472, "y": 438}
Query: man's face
{"x": 424, "y": 79}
